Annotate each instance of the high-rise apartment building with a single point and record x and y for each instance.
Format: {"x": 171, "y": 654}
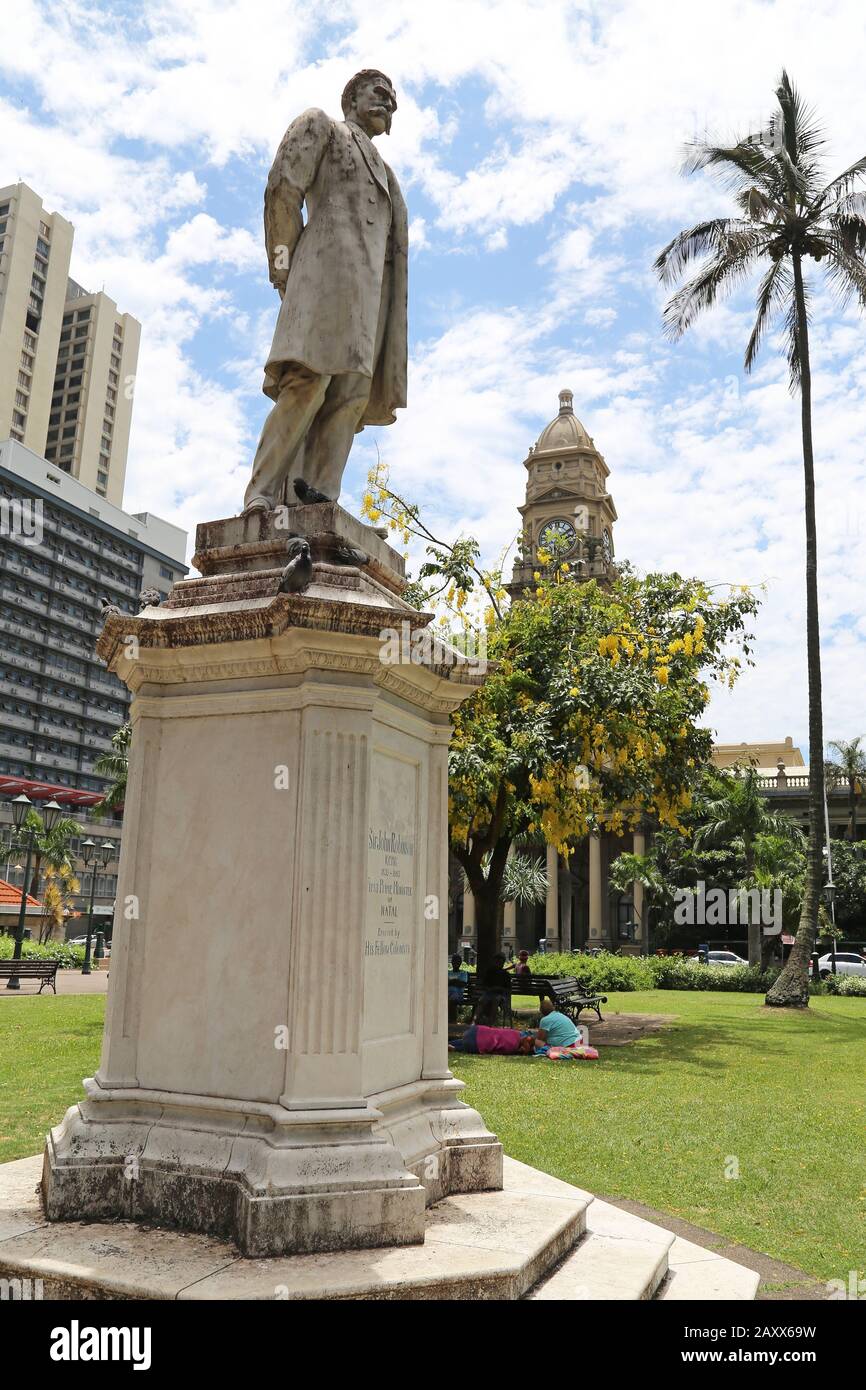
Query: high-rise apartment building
{"x": 64, "y": 552}
{"x": 91, "y": 405}
{"x": 67, "y": 357}
{"x": 35, "y": 247}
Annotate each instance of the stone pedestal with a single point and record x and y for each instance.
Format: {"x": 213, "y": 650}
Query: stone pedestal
{"x": 275, "y": 1066}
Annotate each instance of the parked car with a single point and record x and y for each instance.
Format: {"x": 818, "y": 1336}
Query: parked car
{"x": 82, "y": 941}
{"x": 847, "y": 963}
{"x": 725, "y": 958}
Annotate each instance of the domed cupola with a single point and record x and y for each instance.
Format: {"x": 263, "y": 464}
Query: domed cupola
{"x": 568, "y": 508}
{"x": 565, "y": 431}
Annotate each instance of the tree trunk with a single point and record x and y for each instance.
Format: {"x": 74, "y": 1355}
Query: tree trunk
{"x": 792, "y": 986}
{"x": 754, "y": 931}
{"x": 486, "y": 890}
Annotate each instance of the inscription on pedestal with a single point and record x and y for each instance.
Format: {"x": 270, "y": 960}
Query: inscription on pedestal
{"x": 391, "y": 926}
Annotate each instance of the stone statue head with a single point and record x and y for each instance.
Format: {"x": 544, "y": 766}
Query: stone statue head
{"x": 370, "y": 101}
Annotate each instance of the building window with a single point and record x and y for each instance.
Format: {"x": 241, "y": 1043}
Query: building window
{"x": 45, "y": 230}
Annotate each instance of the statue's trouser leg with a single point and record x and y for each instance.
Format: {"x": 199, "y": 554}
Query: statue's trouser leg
{"x": 301, "y": 395}
{"x": 331, "y": 434}
{"x": 332, "y": 431}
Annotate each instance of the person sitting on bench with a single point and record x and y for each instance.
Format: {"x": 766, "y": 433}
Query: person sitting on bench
{"x": 495, "y": 991}
{"x": 555, "y": 1029}
{"x": 522, "y": 966}
{"x": 458, "y": 978}
{"x": 479, "y": 1039}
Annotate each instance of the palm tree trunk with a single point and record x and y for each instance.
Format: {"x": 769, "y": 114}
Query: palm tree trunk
{"x": 792, "y": 986}
{"x": 754, "y": 929}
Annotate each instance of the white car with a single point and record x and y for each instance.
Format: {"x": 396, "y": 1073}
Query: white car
{"x": 847, "y": 963}
{"x": 725, "y": 958}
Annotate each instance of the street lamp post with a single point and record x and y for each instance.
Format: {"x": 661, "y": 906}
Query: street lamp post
{"x": 100, "y": 857}
{"x": 20, "y": 807}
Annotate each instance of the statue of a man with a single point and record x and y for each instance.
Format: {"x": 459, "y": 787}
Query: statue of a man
{"x": 338, "y": 359}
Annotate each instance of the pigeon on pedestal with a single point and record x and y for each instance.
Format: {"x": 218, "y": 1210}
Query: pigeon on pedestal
{"x": 299, "y": 570}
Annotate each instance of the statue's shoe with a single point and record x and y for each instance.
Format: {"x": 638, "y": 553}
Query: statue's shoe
{"x": 257, "y": 504}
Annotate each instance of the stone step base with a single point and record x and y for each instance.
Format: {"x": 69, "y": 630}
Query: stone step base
{"x": 539, "y": 1238}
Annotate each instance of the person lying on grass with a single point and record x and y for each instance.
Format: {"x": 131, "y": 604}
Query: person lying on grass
{"x": 478, "y": 1038}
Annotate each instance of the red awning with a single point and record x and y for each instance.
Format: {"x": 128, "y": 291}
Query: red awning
{"x": 45, "y": 791}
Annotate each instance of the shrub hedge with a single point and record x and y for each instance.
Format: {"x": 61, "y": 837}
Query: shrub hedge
{"x": 70, "y": 957}
{"x": 846, "y": 984}
{"x": 627, "y": 973}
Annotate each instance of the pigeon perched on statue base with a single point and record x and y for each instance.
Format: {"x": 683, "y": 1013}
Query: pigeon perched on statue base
{"x": 299, "y": 570}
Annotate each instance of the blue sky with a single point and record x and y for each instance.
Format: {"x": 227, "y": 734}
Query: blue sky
{"x": 537, "y": 143}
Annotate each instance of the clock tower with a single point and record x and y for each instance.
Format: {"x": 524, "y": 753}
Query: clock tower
{"x": 568, "y": 508}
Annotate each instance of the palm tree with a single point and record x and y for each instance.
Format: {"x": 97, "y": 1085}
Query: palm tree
{"x": 736, "y": 813}
{"x": 116, "y": 766}
{"x": 850, "y": 766}
{"x": 787, "y": 214}
{"x": 51, "y": 847}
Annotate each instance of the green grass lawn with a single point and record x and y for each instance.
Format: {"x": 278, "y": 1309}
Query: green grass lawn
{"x": 782, "y": 1093}
{"x": 46, "y": 1046}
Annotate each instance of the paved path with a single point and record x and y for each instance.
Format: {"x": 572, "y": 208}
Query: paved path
{"x": 68, "y": 982}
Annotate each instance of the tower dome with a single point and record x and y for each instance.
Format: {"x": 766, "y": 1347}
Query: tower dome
{"x": 565, "y": 430}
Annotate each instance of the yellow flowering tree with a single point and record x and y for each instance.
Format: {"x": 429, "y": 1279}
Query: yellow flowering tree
{"x": 588, "y": 717}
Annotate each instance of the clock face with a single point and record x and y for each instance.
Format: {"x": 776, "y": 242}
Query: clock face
{"x": 606, "y": 544}
{"x": 557, "y": 535}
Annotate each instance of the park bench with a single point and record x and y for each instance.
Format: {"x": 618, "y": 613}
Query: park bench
{"x": 565, "y": 991}
{"x": 44, "y": 970}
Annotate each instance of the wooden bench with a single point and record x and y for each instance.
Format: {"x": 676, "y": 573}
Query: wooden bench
{"x": 564, "y": 991}
{"x": 44, "y": 970}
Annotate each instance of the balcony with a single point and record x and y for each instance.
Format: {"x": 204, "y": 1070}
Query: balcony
{"x": 17, "y": 721}
{"x": 103, "y": 716}
{"x": 44, "y": 726}
{"x": 60, "y": 673}
{"x": 93, "y": 741}
{"x": 23, "y": 600}
{"x": 15, "y": 658}
{"x": 15, "y": 752}
{"x": 47, "y": 761}
{"x": 58, "y": 702}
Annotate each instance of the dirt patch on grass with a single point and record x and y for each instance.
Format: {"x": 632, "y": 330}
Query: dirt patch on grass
{"x": 617, "y": 1029}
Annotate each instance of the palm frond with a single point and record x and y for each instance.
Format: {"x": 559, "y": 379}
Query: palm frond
{"x": 803, "y": 136}
{"x": 692, "y": 243}
{"x": 846, "y": 273}
{"x": 841, "y": 187}
{"x": 851, "y": 231}
{"x": 773, "y": 290}
{"x": 720, "y": 276}
{"x": 746, "y": 163}
{"x": 793, "y": 339}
